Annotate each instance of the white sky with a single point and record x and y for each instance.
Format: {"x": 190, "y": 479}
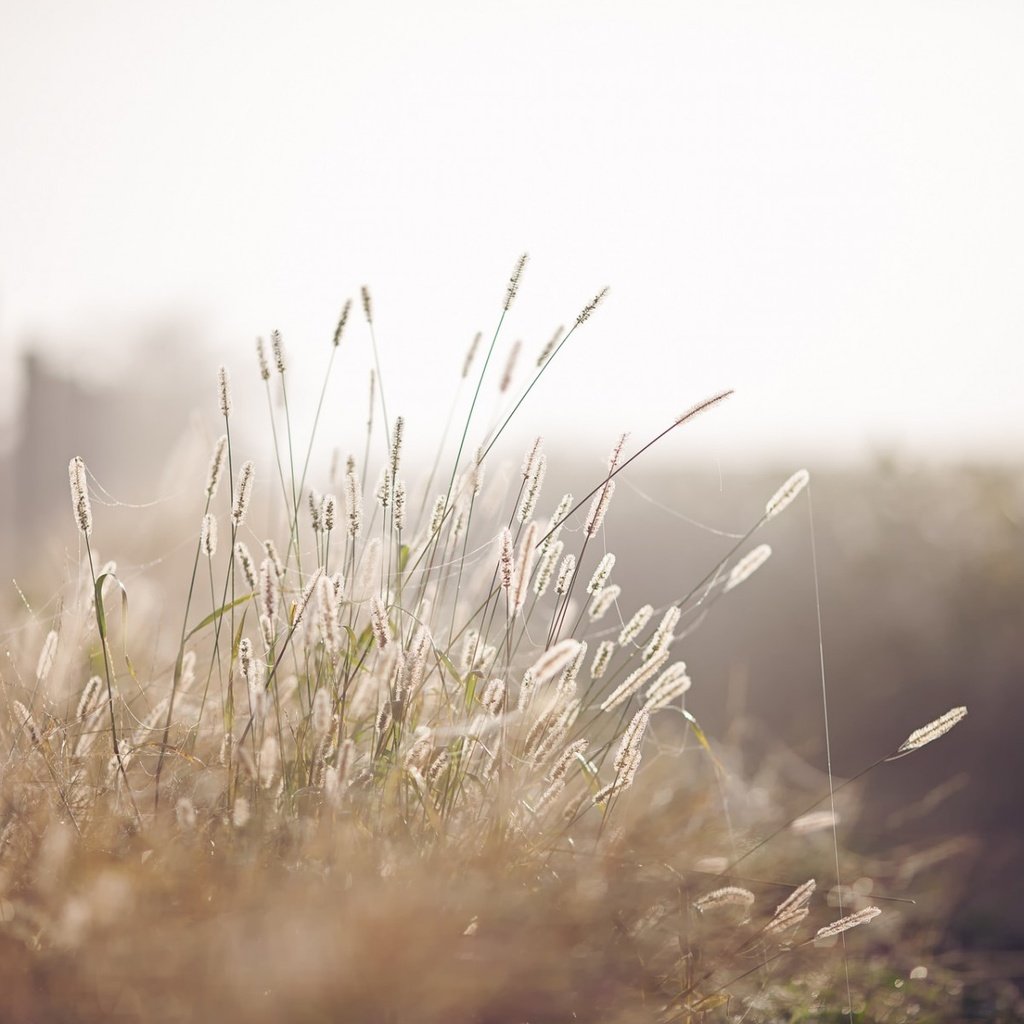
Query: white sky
{"x": 820, "y": 204}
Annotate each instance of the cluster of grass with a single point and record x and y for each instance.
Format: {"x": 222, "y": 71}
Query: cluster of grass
{"x": 393, "y": 769}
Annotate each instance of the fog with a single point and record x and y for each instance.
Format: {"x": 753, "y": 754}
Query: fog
{"x": 815, "y": 204}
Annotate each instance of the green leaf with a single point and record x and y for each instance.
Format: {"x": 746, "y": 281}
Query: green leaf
{"x": 216, "y": 614}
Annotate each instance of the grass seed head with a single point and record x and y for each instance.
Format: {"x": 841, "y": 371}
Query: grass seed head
{"x": 787, "y": 493}
{"x": 513, "y": 283}
{"x": 932, "y": 731}
{"x": 80, "y": 495}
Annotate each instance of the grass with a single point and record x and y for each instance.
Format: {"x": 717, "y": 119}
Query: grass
{"x": 408, "y": 771}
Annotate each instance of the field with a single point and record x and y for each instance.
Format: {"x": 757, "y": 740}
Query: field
{"x": 479, "y": 740}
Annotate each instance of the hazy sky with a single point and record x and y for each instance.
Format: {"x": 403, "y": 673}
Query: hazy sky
{"x": 820, "y": 204}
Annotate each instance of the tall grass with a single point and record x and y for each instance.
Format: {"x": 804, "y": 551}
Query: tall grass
{"x": 399, "y": 772}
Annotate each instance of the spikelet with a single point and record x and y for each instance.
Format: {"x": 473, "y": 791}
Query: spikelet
{"x": 747, "y": 566}
{"x": 437, "y": 514}
{"x": 80, "y": 495}
{"x": 267, "y": 630}
{"x": 574, "y": 752}
{"x": 932, "y": 731}
{"x": 24, "y": 718}
{"x": 416, "y": 659}
{"x": 526, "y": 690}
{"x": 510, "y": 367}
{"x": 786, "y": 493}
{"x": 383, "y": 720}
{"x": 632, "y": 737}
{"x": 513, "y": 284}
{"x": 531, "y": 489}
{"x": 664, "y": 634}
{"x": 328, "y": 608}
{"x": 493, "y": 697}
{"x": 438, "y": 767}
{"x": 307, "y": 594}
{"x": 208, "y": 535}
{"x": 245, "y": 657}
{"x": 506, "y": 559}
{"x": 598, "y": 509}
{"x": 565, "y": 574}
{"x": 475, "y": 477}
{"x": 367, "y": 304}
{"x": 318, "y": 762}
{"x": 328, "y": 512}
{"x": 469, "y": 655}
{"x": 90, "y": 699}
{"x": 522, "y": 577}
{"x": 379, "y": 623}
{"x": 342, "y": 320}
{"x": 549, "y": 796}
{"x": 591, "y": 306}
{"x": 315, "y": 503}
{"x": 396, "y": 445}
{"x": 844, "y": 924}
{"x": 421, "y": 749}
{"x": 213, "y": 474}
{"x": 258, "y": 699}
{"x": 268, "y": 590}
{"x": 243, "y": 493}
{"x": 336, "y": 779}
{"x": 555, "y": 731}
{"x": 727, "y": 896}
{"x": 224, "y": 392}
{"x": 634, "y": 682}
{"x": 275, "y": 559}
{"x": 672, "y": 683}
{"x": 553, "y": 660}
{"x": 623, "y": 780}
{"x": 797, "y": 900}
{"x": 247, "y": 565}
{"x": 46, "y": 656}
{"x": 558, "y": 519}
{"x": 398, "y": 511}
{"x": 353, "y": 503}
{"x": 631, "y": 630}
{"x": 278, "y": 349}
{"x": 603, "y": 600}
{"x": 601, "y": 574}
{"x": 601, "y": 659}
{"x": 546, "y": 567}
{"x": 383, "y": 492}
{"x": 261, "y": 356}
{"x": 786, "y": 920}
{"x": 474, "y": 345}
{"x": 700, "y": 407}
{"x": 566, "y": 686}
{"x": 549, "y": 348}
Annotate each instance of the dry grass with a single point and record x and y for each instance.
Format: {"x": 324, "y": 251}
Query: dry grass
{"x": 391, "y": 769}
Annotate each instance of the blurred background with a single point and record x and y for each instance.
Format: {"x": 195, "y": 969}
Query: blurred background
{"x": 817, "y": 204}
